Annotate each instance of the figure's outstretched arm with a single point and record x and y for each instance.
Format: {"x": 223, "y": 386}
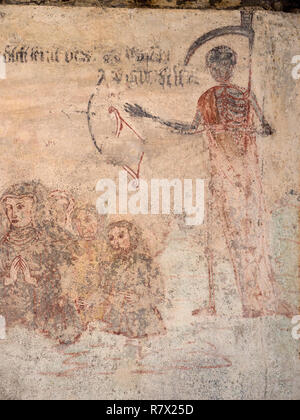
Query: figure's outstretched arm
{"x": 183, "y": 128}
{"x": 267, "y": 129}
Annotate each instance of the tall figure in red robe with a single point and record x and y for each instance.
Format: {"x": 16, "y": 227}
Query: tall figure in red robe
{"x": 227, "y": 113}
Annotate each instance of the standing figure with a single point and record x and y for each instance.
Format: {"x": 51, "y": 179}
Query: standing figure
{"x": 227, "y": 113}
{"x": 30, "y": 281}
{"x": 131, "y": 286}
{"x": 17, "y": 283}
{"x": 61, "y": 207}
{"x": 84, "y": 282}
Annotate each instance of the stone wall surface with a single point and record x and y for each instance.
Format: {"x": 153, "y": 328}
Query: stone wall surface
{"x": 276, "y": 5}
{"x": 191, "y": 300}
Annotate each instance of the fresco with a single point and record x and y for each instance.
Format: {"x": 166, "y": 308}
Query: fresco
{"x": 153, "y": 306}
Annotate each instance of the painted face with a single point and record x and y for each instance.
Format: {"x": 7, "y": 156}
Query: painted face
{"x": 221, "y": 71}
{"x": 19, "y": 211}
{"x": 87, "y": 225}
{"x": 119, "y": 239}
{"x": 58, "y": 208}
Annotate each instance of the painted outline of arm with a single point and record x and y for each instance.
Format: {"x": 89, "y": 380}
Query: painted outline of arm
{"x": 183, "y": 128}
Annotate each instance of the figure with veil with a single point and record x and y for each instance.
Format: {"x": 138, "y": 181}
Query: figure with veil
{"x": 31, "y": 254}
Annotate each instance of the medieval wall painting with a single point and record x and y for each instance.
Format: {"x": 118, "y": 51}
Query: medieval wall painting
{"x": 147, "y": 305}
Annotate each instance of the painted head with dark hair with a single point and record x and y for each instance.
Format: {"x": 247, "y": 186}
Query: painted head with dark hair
{"x": 221, "y": 62}
{"x": 123, "y": 236}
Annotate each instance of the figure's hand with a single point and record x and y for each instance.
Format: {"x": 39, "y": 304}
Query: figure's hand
{"x": 130, "y": 297}
{"x": 137, "y": 111}
{"x": 26, "y": 272}
{"x": 267, "y": 130}
{"x": 14, "y": 270}
{"x": 80, "y": 304}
